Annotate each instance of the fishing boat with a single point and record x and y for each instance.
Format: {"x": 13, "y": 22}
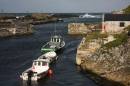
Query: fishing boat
{"x": 40, "y": 67}
{"x": 56, "y": 43}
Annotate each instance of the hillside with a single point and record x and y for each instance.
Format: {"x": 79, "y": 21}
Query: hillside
{"x": 107, "y": 56}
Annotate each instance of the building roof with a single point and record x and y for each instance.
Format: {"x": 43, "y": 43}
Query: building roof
{"x": 117, "y": 17}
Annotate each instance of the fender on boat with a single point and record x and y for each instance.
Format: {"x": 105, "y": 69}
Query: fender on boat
{"x": 50, "y": 54}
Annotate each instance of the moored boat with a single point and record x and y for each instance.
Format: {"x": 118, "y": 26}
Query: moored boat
{"x": 38, "y": 70}
{"x": 40, "y": 67}
{"x": 56, "y": 43}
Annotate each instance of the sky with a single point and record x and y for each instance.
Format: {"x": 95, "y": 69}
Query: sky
{"x": 62, "y": 6}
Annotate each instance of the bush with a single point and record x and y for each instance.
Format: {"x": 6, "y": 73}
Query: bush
{"x": 95, "y": 35}
{"x": 120, "y": 39}
{"x": 127, "y": 28}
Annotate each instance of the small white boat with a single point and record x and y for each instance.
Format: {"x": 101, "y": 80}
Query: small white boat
{"x": 87, "y": 16}
{"x": 51, "y": 56}
{"x": 40, "y": 67}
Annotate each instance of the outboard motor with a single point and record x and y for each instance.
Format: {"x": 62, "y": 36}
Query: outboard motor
{"x": 128, "y": 33}
{"x": 30, "y": 73}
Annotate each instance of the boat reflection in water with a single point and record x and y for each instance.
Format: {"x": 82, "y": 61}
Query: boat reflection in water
{"x": 30, "y": 83}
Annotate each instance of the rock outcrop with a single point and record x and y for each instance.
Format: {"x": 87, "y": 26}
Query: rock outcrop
{"x": 113, "y": 63}
{"x": 81, "y": 28}
{"x": 10, "y": 28}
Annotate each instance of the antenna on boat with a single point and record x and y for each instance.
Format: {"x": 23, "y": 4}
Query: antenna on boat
{"x": 55, "y": 29}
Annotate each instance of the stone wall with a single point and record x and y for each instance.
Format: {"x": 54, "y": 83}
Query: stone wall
{"x": 77, "y": 28}
{"x": 81, "y": 28}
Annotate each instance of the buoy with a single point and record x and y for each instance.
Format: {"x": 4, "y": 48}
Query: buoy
{"x": 33, "y": 68}
{"x": 50, "y": 72}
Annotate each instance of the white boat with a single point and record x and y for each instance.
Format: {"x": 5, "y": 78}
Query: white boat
{"x": 87, "y": 16}
{"x": 51, "y": 56}
{"x": 40, "y": 67}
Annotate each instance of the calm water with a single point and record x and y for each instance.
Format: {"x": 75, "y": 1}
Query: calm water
{"x": 17, "y": 53}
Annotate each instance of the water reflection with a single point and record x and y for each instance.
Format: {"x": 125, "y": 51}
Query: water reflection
{"x": 30, "y": 83}
{"x": 25, "y": 49}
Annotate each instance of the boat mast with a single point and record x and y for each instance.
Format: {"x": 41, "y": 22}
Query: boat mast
{"x": 55, "y": 29}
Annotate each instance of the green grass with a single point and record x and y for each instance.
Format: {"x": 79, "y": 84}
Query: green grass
{"x": 95, "y": 35}
{"x": 127, "y": 28}
{"x": 127, "y": 10}
{"x": 120, "y": 39}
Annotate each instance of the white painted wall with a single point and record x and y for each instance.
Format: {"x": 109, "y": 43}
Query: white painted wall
{"x": 113, "y": 26}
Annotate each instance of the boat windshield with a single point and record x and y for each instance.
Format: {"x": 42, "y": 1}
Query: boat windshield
{"x": 58, "y": 40}
{"x": 44, "y": 63}
{"x": 55, "y": 39}
{"x": 40, "y": 63}
{"x": 35, "y": 63}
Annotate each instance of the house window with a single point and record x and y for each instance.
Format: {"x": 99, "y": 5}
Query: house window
{"x": 122, "y": 24}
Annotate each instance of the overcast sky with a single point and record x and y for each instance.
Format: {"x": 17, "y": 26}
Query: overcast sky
{"x": 59, "y": 6}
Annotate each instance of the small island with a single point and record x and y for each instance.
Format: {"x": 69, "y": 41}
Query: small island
{"x": 11, "y": 25}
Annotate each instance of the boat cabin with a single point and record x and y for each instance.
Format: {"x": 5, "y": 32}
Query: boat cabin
{"x": 56, "y": 39}
{"x": 40, "y": 63}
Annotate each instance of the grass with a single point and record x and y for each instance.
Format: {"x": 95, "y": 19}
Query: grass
{"x": 127, "y": 28}
{"x": 120, "y": 39}
{"x": 95, "y": 35}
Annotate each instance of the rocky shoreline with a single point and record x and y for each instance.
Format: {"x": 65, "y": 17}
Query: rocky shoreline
{"x": 107, "y": 67}
{"x": 8, "y": 29}
{"x": 22, "y": 25}
{"x": 81, "y": 28}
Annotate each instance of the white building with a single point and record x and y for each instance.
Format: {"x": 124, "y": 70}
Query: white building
{"x": 115, "y": 23}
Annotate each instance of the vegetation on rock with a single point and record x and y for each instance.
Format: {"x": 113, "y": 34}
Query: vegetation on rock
{"x": 120, "y": 39}
{"x": 111, "y": 59}
{"x": 40, "y": 16}
{"x": 127, "y": 10}
{"x": 95, "y": 35}
{"x": 127, "y": 28}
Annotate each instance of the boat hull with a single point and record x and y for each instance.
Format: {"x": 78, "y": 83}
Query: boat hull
{"x": 40, "y": 71}
{"x": 48, "y": 49}
{"x": 33, "y": 77}
{"x": 39, "y": 76}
